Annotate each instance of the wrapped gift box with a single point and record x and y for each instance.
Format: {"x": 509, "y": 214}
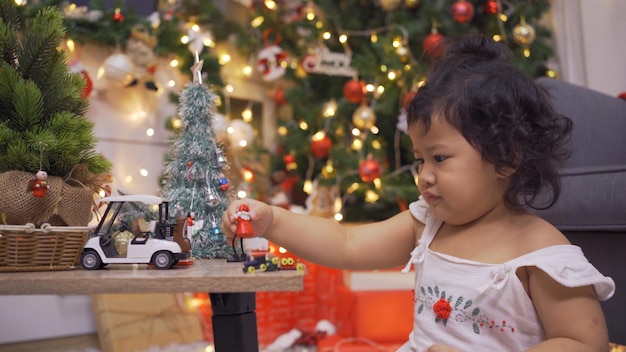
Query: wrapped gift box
{"x": 136, "y": 322}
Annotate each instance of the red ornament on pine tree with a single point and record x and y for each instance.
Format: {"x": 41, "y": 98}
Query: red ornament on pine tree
{"x": 118, "y": 16}
{"x": 462, "y": 11}
{"x": 491, "y": 7}
{"x": 354, "y": 91}
{"x": 433, "y": 44}
{"x": 369, "y": 170}
{"x": 320, "y": 146}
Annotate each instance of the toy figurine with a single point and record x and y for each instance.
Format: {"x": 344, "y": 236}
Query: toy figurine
{"x": 41, "y": 186}
{"x": 244, "y": 228}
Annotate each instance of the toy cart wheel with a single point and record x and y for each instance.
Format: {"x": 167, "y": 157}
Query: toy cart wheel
{"x": 90, "y": 260}
{"x": 251, "y": 270}
{"x": 263, "y": 267}
{"x": 163, "y": 260}
{"x": 275, "y": 260}
{"x": 290, "y": 261}
{"x": 300, "y": 267}
{"x": 283, "y": 261}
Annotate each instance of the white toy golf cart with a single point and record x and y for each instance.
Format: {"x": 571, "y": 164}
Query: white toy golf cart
{"x": 163, "y": 245}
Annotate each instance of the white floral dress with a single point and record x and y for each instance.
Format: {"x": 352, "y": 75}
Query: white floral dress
{"x": 477, "y": 306}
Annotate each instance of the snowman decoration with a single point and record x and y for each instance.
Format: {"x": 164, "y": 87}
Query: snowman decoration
{"x": 272, "y": 59}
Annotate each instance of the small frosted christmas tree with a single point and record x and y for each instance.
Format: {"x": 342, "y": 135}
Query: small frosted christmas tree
{"x": 194, "y": 179}
{"x": 49, "y": 169}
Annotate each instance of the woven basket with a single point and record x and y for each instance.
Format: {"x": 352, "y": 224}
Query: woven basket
{"x": 49, "y": 248}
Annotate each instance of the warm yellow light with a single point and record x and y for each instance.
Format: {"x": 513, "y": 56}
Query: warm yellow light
{"x": 369, "y": 87}
{"x": 303, "y": 125}
{"x": 371, "y": 196}
{"x": 526, "y": 52}
{"x": 174, "y": 63}
{"x": 177, "y": 123}
{"x": 171, "y": 83}
{"x": 307, "y": 187}
{"x": 257, "y": 21}
{"x": 224, "y": 59}
{"x": 246, "y": 114}
{"x": 353, "y": 187}
{"x": 143, "y": 172}
{"x": 391, "y": 75}
{"x": 247, "y": 174}
{"x": 338, "y": 217}
{"x": 357, "y": 144}
{"x": 338, "y": 205}
{"x": 376, "y": 143}
{"x": 380, "y": 90}
{"x": 374, "y": 37}
{"x": 247, "y": 70}
{"x": 282, "y": 131}
{"x": 319, "y": 24}
{"x": 497, "y": 38}
{"x": 551, "y": 73}
{"x": 243, "y": 143}
{"x": 343, "y": 38}
{"x": 270, "y": 4}
{"x": 242, "y": 194}
{"x": 318, "y": 136}
{"x": 377, "y": 183}
{"x": 208, "y": 42}
{"x": 195, "y": 28}
{"x": 326, "y": 35}
{"x": 503, "y": 17}
{"x": 330, "y": 108}
{"x": 310, "y": 16}
{"x": 71, "y": 46}
{"x": 356, "y": 132}
{"x": 396, "y": 43}
{"x": 150, "y": 132}
{"x": 184, "y": 39}
{"x": 128, "y": 179}
{"x": 229, "y": 88}
{"x": 383, "y": 68}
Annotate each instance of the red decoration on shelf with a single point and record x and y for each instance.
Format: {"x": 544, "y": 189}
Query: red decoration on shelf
{"x": 433, "y": 44}
{"x": 462, "y": 11}
{"x": 279, "y": 96}
{"x": 354, "y": 91}
{"x": 321, "y": 147}
{"x": 491, "y": 7}
{"x": 369, "y": 170}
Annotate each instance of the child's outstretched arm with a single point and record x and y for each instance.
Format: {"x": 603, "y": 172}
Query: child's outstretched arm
{"x": 378, "y": 245}
{"x": 572, "y": 317}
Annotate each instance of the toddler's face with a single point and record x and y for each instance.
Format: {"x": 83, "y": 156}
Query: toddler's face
{"x": 454, "y": 179}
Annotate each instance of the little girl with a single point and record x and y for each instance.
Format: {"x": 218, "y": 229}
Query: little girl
{"x": 490, "y": 276}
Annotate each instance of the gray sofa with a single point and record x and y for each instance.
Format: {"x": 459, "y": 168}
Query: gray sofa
{"x": 592, "y": 208}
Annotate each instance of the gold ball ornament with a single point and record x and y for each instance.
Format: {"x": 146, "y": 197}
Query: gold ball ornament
{"x": 364, "y": 118}
{"x": 389, "y": 5}
{"x": 411, "y": 4}
{"x": 523, "y": 34}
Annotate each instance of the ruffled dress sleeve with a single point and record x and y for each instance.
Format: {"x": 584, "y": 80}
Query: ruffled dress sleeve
{"x": 567, "y": 265}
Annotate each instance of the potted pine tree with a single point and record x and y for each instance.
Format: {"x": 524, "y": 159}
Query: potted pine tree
{"x": 49, "y": 169}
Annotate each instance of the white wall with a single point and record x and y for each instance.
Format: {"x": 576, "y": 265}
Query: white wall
{"x": 34, "y": 317}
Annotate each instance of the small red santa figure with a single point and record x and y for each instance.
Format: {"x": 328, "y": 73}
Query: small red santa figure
{"x": 244, "y": 228}
{"x": 41, "y": 187}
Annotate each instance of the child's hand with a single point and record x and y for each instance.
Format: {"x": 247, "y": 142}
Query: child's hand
{"x": 441, "y": 348}
{"x": 261, "y": 217}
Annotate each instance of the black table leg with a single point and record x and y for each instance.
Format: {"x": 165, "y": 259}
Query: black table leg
{"x": 234, "y": 322}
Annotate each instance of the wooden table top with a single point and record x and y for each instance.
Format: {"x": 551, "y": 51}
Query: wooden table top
{"x": 205, "y": 275}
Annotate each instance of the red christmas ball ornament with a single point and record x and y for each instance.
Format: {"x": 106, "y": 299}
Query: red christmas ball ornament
{"x": 491, "y": 7}
{"x": 369, "y": 170}
{"x": 433, "y": 44}
{"x": 320, "y": 145}
{"x": 462, "y": 11}
{"x": 354, "y": 91}
{"x": 88, "y": 84}
{"x": 406, "y": 100}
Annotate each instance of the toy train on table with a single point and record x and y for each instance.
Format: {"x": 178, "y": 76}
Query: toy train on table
{"x": 269, "y": 262}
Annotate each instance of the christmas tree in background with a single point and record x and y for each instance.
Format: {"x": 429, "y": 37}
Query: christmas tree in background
{"x": 43, "y": 130}
{"x": 343, "y": 73}
{"x": 195, "y": 179}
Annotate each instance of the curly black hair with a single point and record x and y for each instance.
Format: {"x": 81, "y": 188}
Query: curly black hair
{"x": 501, "y": 112}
